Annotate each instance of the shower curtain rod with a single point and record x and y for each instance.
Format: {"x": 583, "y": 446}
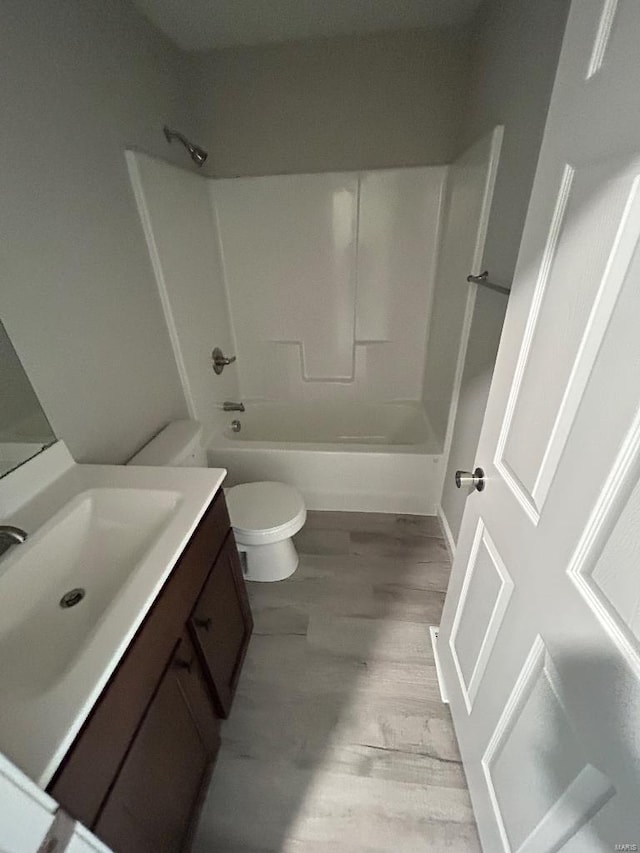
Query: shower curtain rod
{"x": 483, "y": 279}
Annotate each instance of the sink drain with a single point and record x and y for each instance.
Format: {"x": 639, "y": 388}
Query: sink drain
{"x": 73, "y": 597}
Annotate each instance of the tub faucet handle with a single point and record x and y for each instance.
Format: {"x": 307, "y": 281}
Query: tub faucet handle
{"x": 220, "y": 361}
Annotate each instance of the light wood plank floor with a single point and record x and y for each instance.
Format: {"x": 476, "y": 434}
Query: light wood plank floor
{"x": 338, "y": 741}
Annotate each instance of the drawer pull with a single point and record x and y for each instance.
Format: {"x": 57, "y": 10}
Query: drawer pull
{"x": 202, "y": 623}
{"x": 181, "y": 663}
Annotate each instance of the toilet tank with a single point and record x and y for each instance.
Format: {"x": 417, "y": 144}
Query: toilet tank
{"x": 179, "y": 445}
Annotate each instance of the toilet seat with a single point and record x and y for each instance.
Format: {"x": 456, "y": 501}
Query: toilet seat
{"x": 265, "y": 513}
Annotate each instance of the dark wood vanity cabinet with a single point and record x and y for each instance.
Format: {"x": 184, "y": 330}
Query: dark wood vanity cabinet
{"x": 139, "y": 767}
{"x": 150, "y": 805}
{"x": 221, "y": 626}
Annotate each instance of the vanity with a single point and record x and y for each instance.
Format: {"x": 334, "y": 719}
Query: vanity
{"x": 124, "y": 622}
{"x": 139, "y": 766}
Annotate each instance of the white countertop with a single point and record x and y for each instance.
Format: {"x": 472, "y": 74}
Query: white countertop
{"x": 38, "y": 727}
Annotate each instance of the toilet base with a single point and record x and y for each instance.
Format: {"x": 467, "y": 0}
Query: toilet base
{"x": 273, "y": 562}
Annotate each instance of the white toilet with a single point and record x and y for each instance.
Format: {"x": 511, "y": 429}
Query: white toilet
{"x": 264, "y": 516}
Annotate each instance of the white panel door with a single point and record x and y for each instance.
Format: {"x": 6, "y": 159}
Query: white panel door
{"x": 540, "y": 635}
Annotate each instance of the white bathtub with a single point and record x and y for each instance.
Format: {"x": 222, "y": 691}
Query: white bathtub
{"x": 366, "y": 457}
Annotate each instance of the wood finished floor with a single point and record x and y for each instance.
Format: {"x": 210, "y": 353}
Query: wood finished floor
{"x": 338, "y": 741}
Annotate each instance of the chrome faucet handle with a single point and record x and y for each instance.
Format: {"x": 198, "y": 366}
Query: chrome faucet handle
{"x": 220, "y": 361}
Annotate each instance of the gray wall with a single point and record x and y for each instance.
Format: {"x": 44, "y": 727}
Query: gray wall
{"x": 516, "y": 49}
{"x": 396, "y": 99}
{"x": 81, "y": 81}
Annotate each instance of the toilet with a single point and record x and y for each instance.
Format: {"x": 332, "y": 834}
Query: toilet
{"x": 264, "y": 516}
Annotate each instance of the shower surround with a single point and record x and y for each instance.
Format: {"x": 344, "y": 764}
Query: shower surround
{"x": 322, "y": 285}
{"x": 330, "y": 280}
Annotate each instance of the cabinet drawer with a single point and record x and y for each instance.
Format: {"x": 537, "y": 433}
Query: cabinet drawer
{"x": 221, "y": 625}
{"x": 89, "y": 768}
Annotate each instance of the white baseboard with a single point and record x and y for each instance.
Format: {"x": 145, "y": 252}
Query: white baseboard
{"x": 433, "y": 631}
{"x": 448, "y": 535}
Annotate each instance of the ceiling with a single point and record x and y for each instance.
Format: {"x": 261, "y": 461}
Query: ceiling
{"x": 206, "y": 24}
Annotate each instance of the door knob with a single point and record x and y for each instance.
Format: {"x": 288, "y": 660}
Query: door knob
{"x": 468, "y": 479}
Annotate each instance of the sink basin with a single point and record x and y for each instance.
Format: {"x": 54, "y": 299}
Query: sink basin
{"x": 103, "y": 539}
{"x": 90, "y": 548}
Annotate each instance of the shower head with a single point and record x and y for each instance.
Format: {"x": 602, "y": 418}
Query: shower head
{"x": 197, "y": 154}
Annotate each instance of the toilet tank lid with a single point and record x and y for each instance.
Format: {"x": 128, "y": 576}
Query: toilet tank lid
{"x": 170, "y": 445}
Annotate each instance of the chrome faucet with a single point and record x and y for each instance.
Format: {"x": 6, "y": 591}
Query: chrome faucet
{"x": 10, "y": 535}
{"x": 233, "y": 407}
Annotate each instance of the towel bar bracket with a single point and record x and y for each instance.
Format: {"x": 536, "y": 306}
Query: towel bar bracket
{"x": 483, "y": 279}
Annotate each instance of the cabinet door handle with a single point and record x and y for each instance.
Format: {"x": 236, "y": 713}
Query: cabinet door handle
{"x": 199, "y": 622}
{"x": 181, "y": 663}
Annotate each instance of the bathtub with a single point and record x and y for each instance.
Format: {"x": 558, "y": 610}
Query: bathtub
{"x": 365, "y": 457}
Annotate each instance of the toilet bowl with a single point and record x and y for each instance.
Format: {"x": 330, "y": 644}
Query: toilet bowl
{"x": 264, "y": 517}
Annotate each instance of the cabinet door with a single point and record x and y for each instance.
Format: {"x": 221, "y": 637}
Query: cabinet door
{"x": 221, "y": 625}
{"x": 151, "y": 805}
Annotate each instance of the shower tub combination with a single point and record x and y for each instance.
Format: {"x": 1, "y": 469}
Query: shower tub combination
{"x": 322, "y": 286}
{"x": 365, "y": 457}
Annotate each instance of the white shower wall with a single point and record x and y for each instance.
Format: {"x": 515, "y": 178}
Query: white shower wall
{"x": 321, "y": 285}
{"x": 179, "y": 228}
{"x": 330, "y": 280}
{"x": 466, "y": 212}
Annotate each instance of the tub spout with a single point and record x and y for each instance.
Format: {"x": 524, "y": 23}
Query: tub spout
{"x": 233, "y": 407}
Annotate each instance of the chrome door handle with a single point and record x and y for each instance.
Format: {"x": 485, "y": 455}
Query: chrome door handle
{"x": 220, "y": 361}
{"x": 469, "y": 480}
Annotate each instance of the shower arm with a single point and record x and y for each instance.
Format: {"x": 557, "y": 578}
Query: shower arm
{"x": 175, "y": 134}
{"x": 197, "y": 154}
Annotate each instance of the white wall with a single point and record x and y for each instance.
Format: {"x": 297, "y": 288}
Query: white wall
{"x": 339, "y": 104}
{"x": 330, "y": 279}
{"x": 182, "y": 240}
{"x": 81, "y": 81}
{"x": 516, "y": 49}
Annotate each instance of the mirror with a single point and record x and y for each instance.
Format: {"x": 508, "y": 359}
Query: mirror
{"x": 24, "y": 428}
